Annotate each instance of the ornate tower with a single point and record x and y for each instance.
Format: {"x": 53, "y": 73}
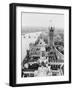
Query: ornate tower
{"x": 51, "y": 35}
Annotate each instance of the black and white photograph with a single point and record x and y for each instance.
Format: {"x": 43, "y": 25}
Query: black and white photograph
{"x": 40, "y": 44}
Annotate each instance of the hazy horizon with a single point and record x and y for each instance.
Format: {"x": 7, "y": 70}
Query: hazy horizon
{"x": 38, "y": 20}
{"x": 38, "y": 29}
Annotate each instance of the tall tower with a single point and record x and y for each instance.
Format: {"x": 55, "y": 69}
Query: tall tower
{"x": 51, "y": 35}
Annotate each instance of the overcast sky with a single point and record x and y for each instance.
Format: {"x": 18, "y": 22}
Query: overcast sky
{"x": 42, "y": 20}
